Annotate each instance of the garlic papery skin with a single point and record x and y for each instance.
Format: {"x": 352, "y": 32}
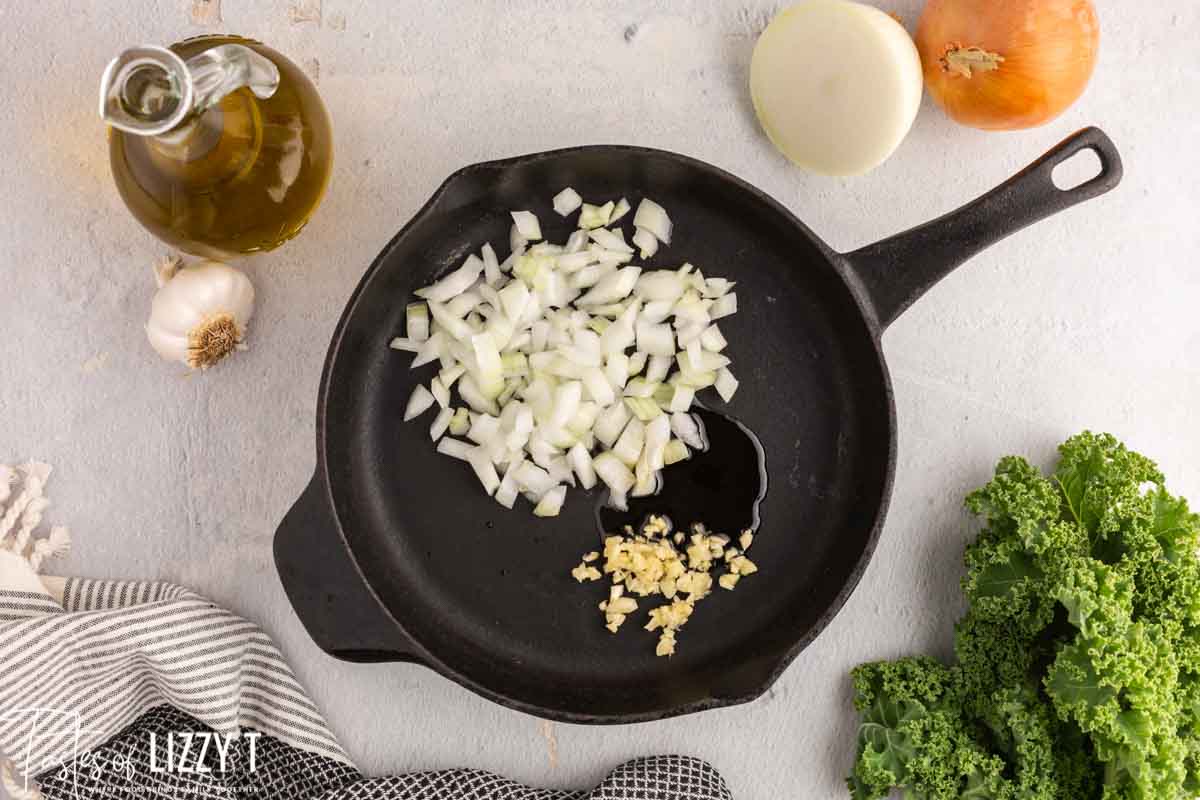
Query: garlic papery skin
{"x": 200, "y": 313}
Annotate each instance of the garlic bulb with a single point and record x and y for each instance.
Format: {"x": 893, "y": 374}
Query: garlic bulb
{"x": 200, "y": 312}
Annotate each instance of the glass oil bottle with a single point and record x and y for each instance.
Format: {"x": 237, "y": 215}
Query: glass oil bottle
{"x": 219, "y": 145}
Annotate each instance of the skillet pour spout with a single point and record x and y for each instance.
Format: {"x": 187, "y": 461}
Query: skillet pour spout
{"x": 393, "y": 554}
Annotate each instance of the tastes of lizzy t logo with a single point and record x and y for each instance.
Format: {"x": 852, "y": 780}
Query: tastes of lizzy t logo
{"x": 55, "y": 737}
{"x": 187, "y": 752}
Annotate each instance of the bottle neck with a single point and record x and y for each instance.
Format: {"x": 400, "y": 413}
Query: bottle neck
{"x": 151, "y": 91}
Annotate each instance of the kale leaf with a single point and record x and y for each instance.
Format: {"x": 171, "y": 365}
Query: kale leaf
{"x": 1077, "y": 673}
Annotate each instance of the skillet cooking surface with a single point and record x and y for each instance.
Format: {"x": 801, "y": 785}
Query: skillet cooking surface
{"x": 487, "y": 591}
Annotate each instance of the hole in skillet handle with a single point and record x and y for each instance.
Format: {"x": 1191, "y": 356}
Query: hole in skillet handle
{"x": 1077, "y": 170}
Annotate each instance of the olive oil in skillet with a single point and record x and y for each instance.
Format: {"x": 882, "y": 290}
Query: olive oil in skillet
{"x": 721, "y": 487}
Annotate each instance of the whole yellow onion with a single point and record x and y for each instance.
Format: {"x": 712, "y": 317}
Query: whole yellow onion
{"x": 1007, "y": 64}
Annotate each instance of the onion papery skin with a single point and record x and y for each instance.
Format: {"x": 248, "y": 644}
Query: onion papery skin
{"x": 1048, "y": 47}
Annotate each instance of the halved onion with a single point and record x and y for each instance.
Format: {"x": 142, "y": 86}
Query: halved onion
{"x": 836, "y": 84}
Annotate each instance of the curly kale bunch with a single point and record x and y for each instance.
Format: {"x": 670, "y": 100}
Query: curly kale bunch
{"x": 1078, "y": 662}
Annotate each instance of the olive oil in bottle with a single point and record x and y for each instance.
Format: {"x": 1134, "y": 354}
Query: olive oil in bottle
{"x": 219, "y": 145}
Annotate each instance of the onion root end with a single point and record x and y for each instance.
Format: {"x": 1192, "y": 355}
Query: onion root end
{"x": 966, "y": 61}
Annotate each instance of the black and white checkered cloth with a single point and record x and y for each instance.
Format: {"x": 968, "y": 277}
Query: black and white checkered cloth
{"x": 96, "y": 682}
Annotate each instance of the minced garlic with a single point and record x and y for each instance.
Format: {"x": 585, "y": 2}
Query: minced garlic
{"x": 659, "y": 561}
{"x": 584, "y": 573}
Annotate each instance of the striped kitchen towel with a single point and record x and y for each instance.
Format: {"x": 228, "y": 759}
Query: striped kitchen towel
{"x": 131, "y": 690}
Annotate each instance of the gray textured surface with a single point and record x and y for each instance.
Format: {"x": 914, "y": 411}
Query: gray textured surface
{"x": 1089, "y": 320}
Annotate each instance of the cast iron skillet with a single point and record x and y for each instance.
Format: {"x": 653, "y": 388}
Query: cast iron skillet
{"x": 393, "y": 553}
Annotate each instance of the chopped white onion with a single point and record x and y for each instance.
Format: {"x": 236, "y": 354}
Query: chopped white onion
{"x": 605, "y": 256}
{"x": 652, "y": 217}
{"x": 611, "y": 288}
{"x": 616, "y": 370}
{"x": 517, "y": 243}
{"x": 657, "y": 311}
{"x": 615, "y": 474}
{"x": 682, "y": 399}
{"x": 646, "y": 243}
{"x": 657, "y": 368}
{"x": 687, "y": 428}
{"x": 485, "y": 470}
{"x": 723, "y": 306}
{"x": 611, "y": 241}
{"x": 598, "y": 387}
{"x": 619, "y": 210}
{"x": 484, "y": 428}
{"x": 655, "y": 340}
{"x": 581, "y": 463}
{"x": 576, "y": 242}
{"x": 573, "y": 262}
{"x": 460, "y": 423}
{"x": 578, "y": 368}
{"x": 506, "y": 493}
{"x": 476, "y": 399}
{"x": 676, "y": 451}
{"x": 567, "y": 201}
{"x": 716, "y": 287}
{"x": 455, "y": 283}
{"x": 417, "y": 321}
{"x": 405, "y": 345}
{"x": 661, "y": 284}
{"x": 527, "y": 225}
{"x": 640, "y": 387}
{"x": 643, "y": 408}
{"x": 490, "y": 375}
{"x": 611, "y": 423}
{"x": 419, "y": 402}
{"x": 449, "y": 375}
{"x": 591, "y": 275}
{"x": 453, "y": 325}
{"x": 726, "y": 384}
{"x": 629, "y": 446}
{"x": 584, "y": 420}
{"x": 463, "y": 304}
{"x": 712, "y": 339}
{"x": 532, "y": 478}
{"x": 440, "y": 392}
{"x": 595, "y": 216}
{"x": 649, "y": 484}
{"x": 566, "y": 404}
{"x": 455, "y": 448}
{"x": 551, "y": 502}
{"x": 440, "y": 423}
{"x": 637, "y": 363}
{"x": 658, "y": 434}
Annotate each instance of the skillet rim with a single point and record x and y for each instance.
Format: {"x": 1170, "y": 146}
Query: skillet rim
{"x": 419, "y": 654}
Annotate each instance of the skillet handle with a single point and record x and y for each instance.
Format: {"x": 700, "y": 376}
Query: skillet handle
{"x": 326, "y": 589}
{"x": 897, "y": 271}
